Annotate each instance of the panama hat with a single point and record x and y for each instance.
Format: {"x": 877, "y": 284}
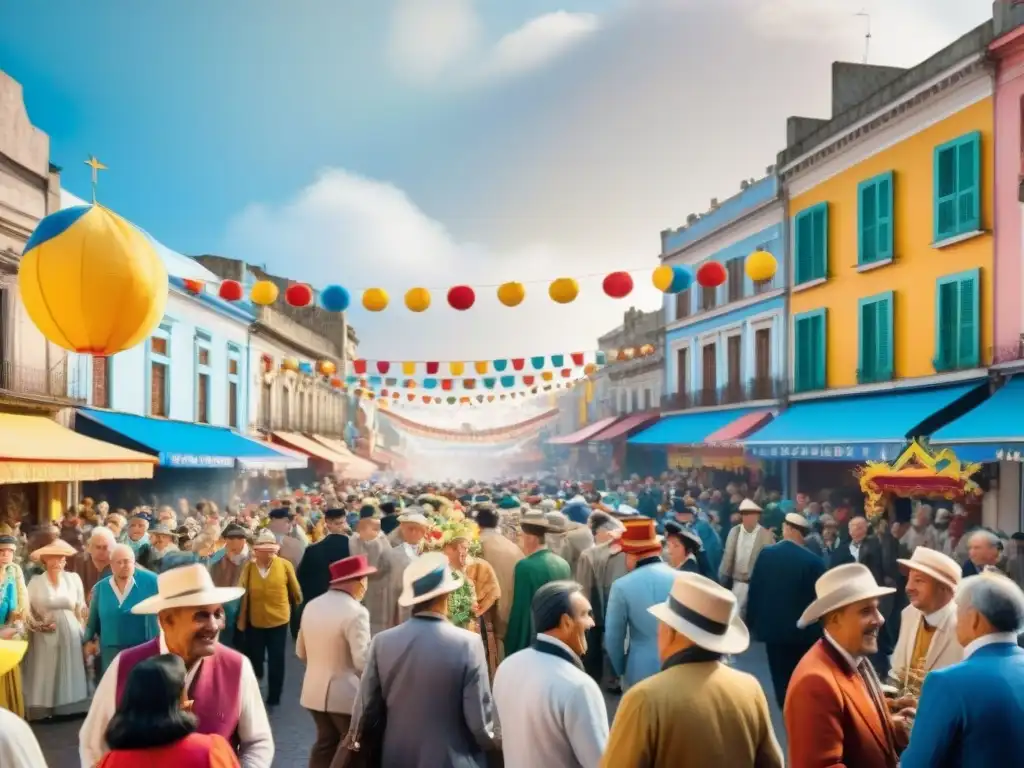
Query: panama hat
{"x": 185, "y": 587}
{"x": 705, "y": 612}
{"x": 427, "y": 577}
{"x": 58, "y": 548}
{"x": 266, "y": 542}
{"x": 797, "y": 521}
{"x": 940, "y": 567}
{"x": 748, "y": 507}
{"x": 11, "y": 654}
{"x": 535, "y": 520}
{"x": 842, "y": 586}
{"x": 349, "y": 568}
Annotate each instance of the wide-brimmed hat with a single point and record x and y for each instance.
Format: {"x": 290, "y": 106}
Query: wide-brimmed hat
{"x": 705, "y": 612}
{"x": 185, "y": 587}
{"x": 672, "y": 528}
{"x": 350, "y": 568}
{"x": 59, "y": 548}
{"x": 940, "y": 567}
{"x": 162, "y": 529}
{"x": 797, "y": 521}
{"x": 11, "y": 654}
{"x": 235, "y": 531}
{"x": 427, "y": 577}
{"x": 266, "y": 542}
{"x": 749, "y": 507}
{"x": 640, "y": 535}
{"x": 558, "y": 522}
{"x": 415, "y": 518}
{"x": 536, "y": 520}
{"x": 842, "y": 586}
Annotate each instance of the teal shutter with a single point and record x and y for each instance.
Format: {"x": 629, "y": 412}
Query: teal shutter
{"x": 800, "y": 358}
{"x": 945, "y": 318}
{"x": 804, "y": 248}
{"x": 945, "y": 193}
{"x": 883, "y": 225}
{"x": 867, "y": 351}
{"x": 967, "y": 334}
{"x": 968, "y": 192}
{"x": 818, "y": 347}
{"x": 819, "y": 224}
{"x": 884, "y": 343}
{"x": 867, "y": 216}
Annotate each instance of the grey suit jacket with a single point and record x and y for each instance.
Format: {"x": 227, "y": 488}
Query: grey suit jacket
{"x": 432, "y": 677}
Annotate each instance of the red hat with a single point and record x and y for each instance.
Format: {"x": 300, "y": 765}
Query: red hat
{"x": 639, "y": 536}
{"x": 350, "y": 568}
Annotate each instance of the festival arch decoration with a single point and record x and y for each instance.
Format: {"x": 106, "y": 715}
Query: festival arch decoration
{"x": 79, "y": 253}
{"x": 917, "y": 473}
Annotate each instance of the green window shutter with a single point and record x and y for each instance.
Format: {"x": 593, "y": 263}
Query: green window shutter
{"x": 867, "y": 350}
{"x": 968, "y": 187}
{"x": 819, "y": 225}
{"x": 804, "y": 248}
{"x": 947, "y": 311}
{"x": 967, "y": 333}
{"x": 867, "y": 227}
{"x": 884, "y": 339}
{"x": 945, "y": 192}
{"x": 883, "y": 225}
{"x": 818, "y": 346}
{"x": 800, "y": 357}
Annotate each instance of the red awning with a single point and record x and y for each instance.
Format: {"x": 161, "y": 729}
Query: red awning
{"x": 740, "y": 428}
{"x": 627, "y": 426}
{"x": 583, "y": 435}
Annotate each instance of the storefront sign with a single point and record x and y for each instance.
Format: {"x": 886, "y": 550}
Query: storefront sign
{"x": 186, "y": 460}
{"x": 855, "y": 452}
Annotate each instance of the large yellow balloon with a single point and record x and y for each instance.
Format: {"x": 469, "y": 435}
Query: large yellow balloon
{"x": 761, "y": 265}
{"x": 375, "y": 299}
{"x": 417, "y": 299}
{"x": 564, "y": 290}
{"x": 91, "y": 281}
{"x": 264, "y": 293}
{"x": 511, "y": 294}
{"x": 662, "y": 278}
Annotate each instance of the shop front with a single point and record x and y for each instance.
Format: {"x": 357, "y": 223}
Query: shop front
{"x": 324, "y": 459}
{"x": 584, "y": 459}
{"x": 614, "y": 441}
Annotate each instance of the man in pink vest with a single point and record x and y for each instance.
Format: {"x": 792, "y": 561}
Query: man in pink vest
{"x": 224, "y": 691}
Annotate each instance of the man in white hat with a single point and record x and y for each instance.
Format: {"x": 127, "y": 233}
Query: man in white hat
{"x": 220, "y": 683}
{"x": 927, "y": 638}
{"x": 412, "y": 527}
{"x": 696, "y": 711}
{"x": 742, "y": 547}
{"x": 835, "y": 711}
{"x": 567, "y": 539}
{"x": 431, "y": 679}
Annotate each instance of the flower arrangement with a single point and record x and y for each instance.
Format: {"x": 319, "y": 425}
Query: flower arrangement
{"x": 460, "y": 605}
{"x": 445, "y": 530}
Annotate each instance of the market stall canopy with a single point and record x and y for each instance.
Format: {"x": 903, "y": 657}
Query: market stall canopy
{"x": 356, "y": 467}
{"x": 992, "y": 431}
{"x": 626, "y": 427}
{"x": 183, "y": 444}
{"x": 689, "y": 428}
{"x": 583, "y": 435}
{"x": 35, "y": 449}
{"x": 858, "y": 428}
{"x": 316, "y": 450}
{"x": 739, "y": 429}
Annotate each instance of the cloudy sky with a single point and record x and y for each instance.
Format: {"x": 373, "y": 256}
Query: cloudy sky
{"x": 438, "y": 142}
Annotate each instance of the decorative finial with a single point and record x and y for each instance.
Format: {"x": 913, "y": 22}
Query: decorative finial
{"x": 96, "y": 166}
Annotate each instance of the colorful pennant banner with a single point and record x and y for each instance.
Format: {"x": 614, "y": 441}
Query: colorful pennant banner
{"x": 494, "y": 435}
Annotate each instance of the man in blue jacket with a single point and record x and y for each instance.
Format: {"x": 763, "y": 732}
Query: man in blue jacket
{"x": 970, "y": 714}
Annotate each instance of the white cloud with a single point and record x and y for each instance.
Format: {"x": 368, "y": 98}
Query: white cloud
{"x": 538, "y": 42}
{"x": 429, "y": 36}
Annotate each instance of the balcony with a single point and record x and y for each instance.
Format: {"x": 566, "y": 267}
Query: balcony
{"x": 677, "y": 401}
{"x": 735, "y": 393}
{"x": 59, "y": 385}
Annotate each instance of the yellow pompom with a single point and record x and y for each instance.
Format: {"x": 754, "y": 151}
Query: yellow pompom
{"x": 564, "y": 290}
{"x": 662, "y": 278}
{"x": 263, "y": 293}
{"x": 511, "y": 294}
{"x": 761, "y": 265}
{"x": 417, "y": 299}
{"x": 375, "y": 299}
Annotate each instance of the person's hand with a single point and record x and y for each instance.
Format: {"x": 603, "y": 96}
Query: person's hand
{"x": 904, "y": 720}
{"x": 476, "y": 609}
{"x": 8, "y": 633}
{"x": 51, "y": 627}
{"x": 902, "y": 703}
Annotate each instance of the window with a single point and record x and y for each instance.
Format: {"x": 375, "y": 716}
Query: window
{"x": 763, "y": 388}
{"x": 234, "y": 373}
{"x": 809, "y": 357}
{"x": 683, "y": 371}
{"x": 709, "y": 375}
{"x": 203, "y": 372}
{"x": 634, "y": 401}
{"x": 286, "y": 409}
{"x": 957, "y": 321}
{"x": 266, "y": 405}
{"x": 874, "y": 219}
{"x": 706, "y": 297}
{"x": 736, "y": 280}
{"x": 875, "y": 350}
{"x": 159, "y": 372}
{"x": 647, "y": 400}
{"x": 957, "y": 187}
{"x": 100, "y": 381}
{"x": 683, "y": 304}
{"x": 734, "y": 360}
{"x": 811, "y": 246}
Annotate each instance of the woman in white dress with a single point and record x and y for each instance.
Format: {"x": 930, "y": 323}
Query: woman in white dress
{"x": 54, "y": 669}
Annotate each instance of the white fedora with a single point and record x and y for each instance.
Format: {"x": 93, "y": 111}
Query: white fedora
{"x": 266, "y": 542}
{"x": 749, "y": 506}
{"x": 427, "y": 577}
{"x": 185, "y": 587}
{"x": 940, "y": 567}
{"x": 797, "y": 521}
{"x": 415, "y": 518}
{"x": 840, "y": 587}
{"x": 705, "y": 612}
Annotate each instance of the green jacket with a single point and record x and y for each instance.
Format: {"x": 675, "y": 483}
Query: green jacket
{"x": 531, "y": 574}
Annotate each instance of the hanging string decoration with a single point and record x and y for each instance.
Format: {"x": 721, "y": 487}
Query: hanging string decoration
{"x": 711, "y": 274}
{"x": 511, "y": 294}
{"x": 230, "y": 290}
{"x": 761, "y": 266}
{"x": 461, "y": 297}
{"x": 298, "y": 295}
{"x": 195, "y": 287}
{"x": 672, "y": 279}
{"x": 375, "y": 300}
{"x": 618, "y": 285}
{"x": 326, "y": 367}
{"x": 335, "y": 298}
{"x": 263, "y": 293}
{"x": 564, "y": 290}
{"x": 417, "y": 299}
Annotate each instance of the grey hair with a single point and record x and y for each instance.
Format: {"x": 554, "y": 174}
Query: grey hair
{"x": 997, "y": 598}
{"x": 99, "y": 532}
{"x": 121, "y": 549}
{"x": 928, "y": 508}
{"x": 551, "y": 602}
{"x": 993, "y": 540}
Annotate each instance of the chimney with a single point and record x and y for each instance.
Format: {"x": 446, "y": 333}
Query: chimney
{"x": 714, "y": 203}
{"x": 853, "y": 83}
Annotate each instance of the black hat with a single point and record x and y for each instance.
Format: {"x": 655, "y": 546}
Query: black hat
{"x": 684, "y": 532}
{"x": 367, "y": 510}
{"x": 334, "y": 513}
{"x": 235, "y": 531}
{"x": 387, "y": 507}
{"x": 678, "y": 505}
{"x": 281, "y": 513}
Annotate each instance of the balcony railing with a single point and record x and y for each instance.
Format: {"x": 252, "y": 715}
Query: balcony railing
{"x": 59, "y": 383}
{"x": 731, "y": 394}
{"x": 277, "y": 424}
{"x": 865, "y": 376}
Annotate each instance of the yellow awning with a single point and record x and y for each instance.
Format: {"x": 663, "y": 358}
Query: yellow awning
{"x": 35, "y": 449}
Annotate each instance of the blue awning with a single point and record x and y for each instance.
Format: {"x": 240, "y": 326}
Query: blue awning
{"x": 687, "y": 428}
{"x": 992, "y": 430}
{"x": 183, "y": 444}
{"x": 860, "y": 428}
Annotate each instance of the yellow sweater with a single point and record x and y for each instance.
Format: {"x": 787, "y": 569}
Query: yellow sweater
{"x": 267, "y": 601}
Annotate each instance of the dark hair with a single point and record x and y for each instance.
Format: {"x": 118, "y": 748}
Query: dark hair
{"x": 149, "y": 713}
{"x": 486, "y": 517}
{"x": 551, "y": 602}
{"x": 597, "y": 520}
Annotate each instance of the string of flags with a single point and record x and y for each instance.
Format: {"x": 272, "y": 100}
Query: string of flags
{"x": 386, "y": 397}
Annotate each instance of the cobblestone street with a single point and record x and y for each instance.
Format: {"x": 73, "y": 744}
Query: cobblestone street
{"x": 293, "y": 727}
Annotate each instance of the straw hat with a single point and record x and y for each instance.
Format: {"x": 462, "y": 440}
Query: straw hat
{"x": 415, "y": 518}
{"x": 427, "y": 577}
{"x": 185, "y": 587}
{"x": 840, "y": 587}
{"x": 350, "y": 568}
{"x": 748, "y": 507}
{"x": 705, "y": 612}
{"x": 266, "y": 542}
{"x": 940, "y": 567}
{"x": 11, "y": 654}
{"x": 535, "y": 519}
{"x": 58, "y": 548}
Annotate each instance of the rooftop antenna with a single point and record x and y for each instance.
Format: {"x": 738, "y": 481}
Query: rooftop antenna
{"x": 867, "y": 33}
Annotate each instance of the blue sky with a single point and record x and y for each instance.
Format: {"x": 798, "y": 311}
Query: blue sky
{"x": 435, "y": 142}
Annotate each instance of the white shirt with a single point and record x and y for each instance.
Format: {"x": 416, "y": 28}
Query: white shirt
{"x": 18, "y": 745}
{"x": 745, "y": 546}
{"x": 938, "y": 618}
{"x": 853, "y": 661}
{"x": 256, "y": 740}
{"x": 855, "y": 551}
{"x": 550, "y": 712}
{"x": 122, "y": 596}
{"x": 995, "y": 637}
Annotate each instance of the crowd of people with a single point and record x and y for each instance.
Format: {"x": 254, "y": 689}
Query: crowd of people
{"x": 480, "y": 624}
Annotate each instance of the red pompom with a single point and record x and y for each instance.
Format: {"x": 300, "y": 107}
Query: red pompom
{"x": 194, "y": 286}
{"x": 618, "y": 285}
{"x": 461, "y": 297}
{"x": 299, "y": 295}
{"x": 711, "y": 274}
{"x": 230, "y": 290}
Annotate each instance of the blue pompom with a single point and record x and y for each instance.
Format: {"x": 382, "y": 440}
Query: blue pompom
{"x": 682, "y": 278}
{"x": 334, "y": 298}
